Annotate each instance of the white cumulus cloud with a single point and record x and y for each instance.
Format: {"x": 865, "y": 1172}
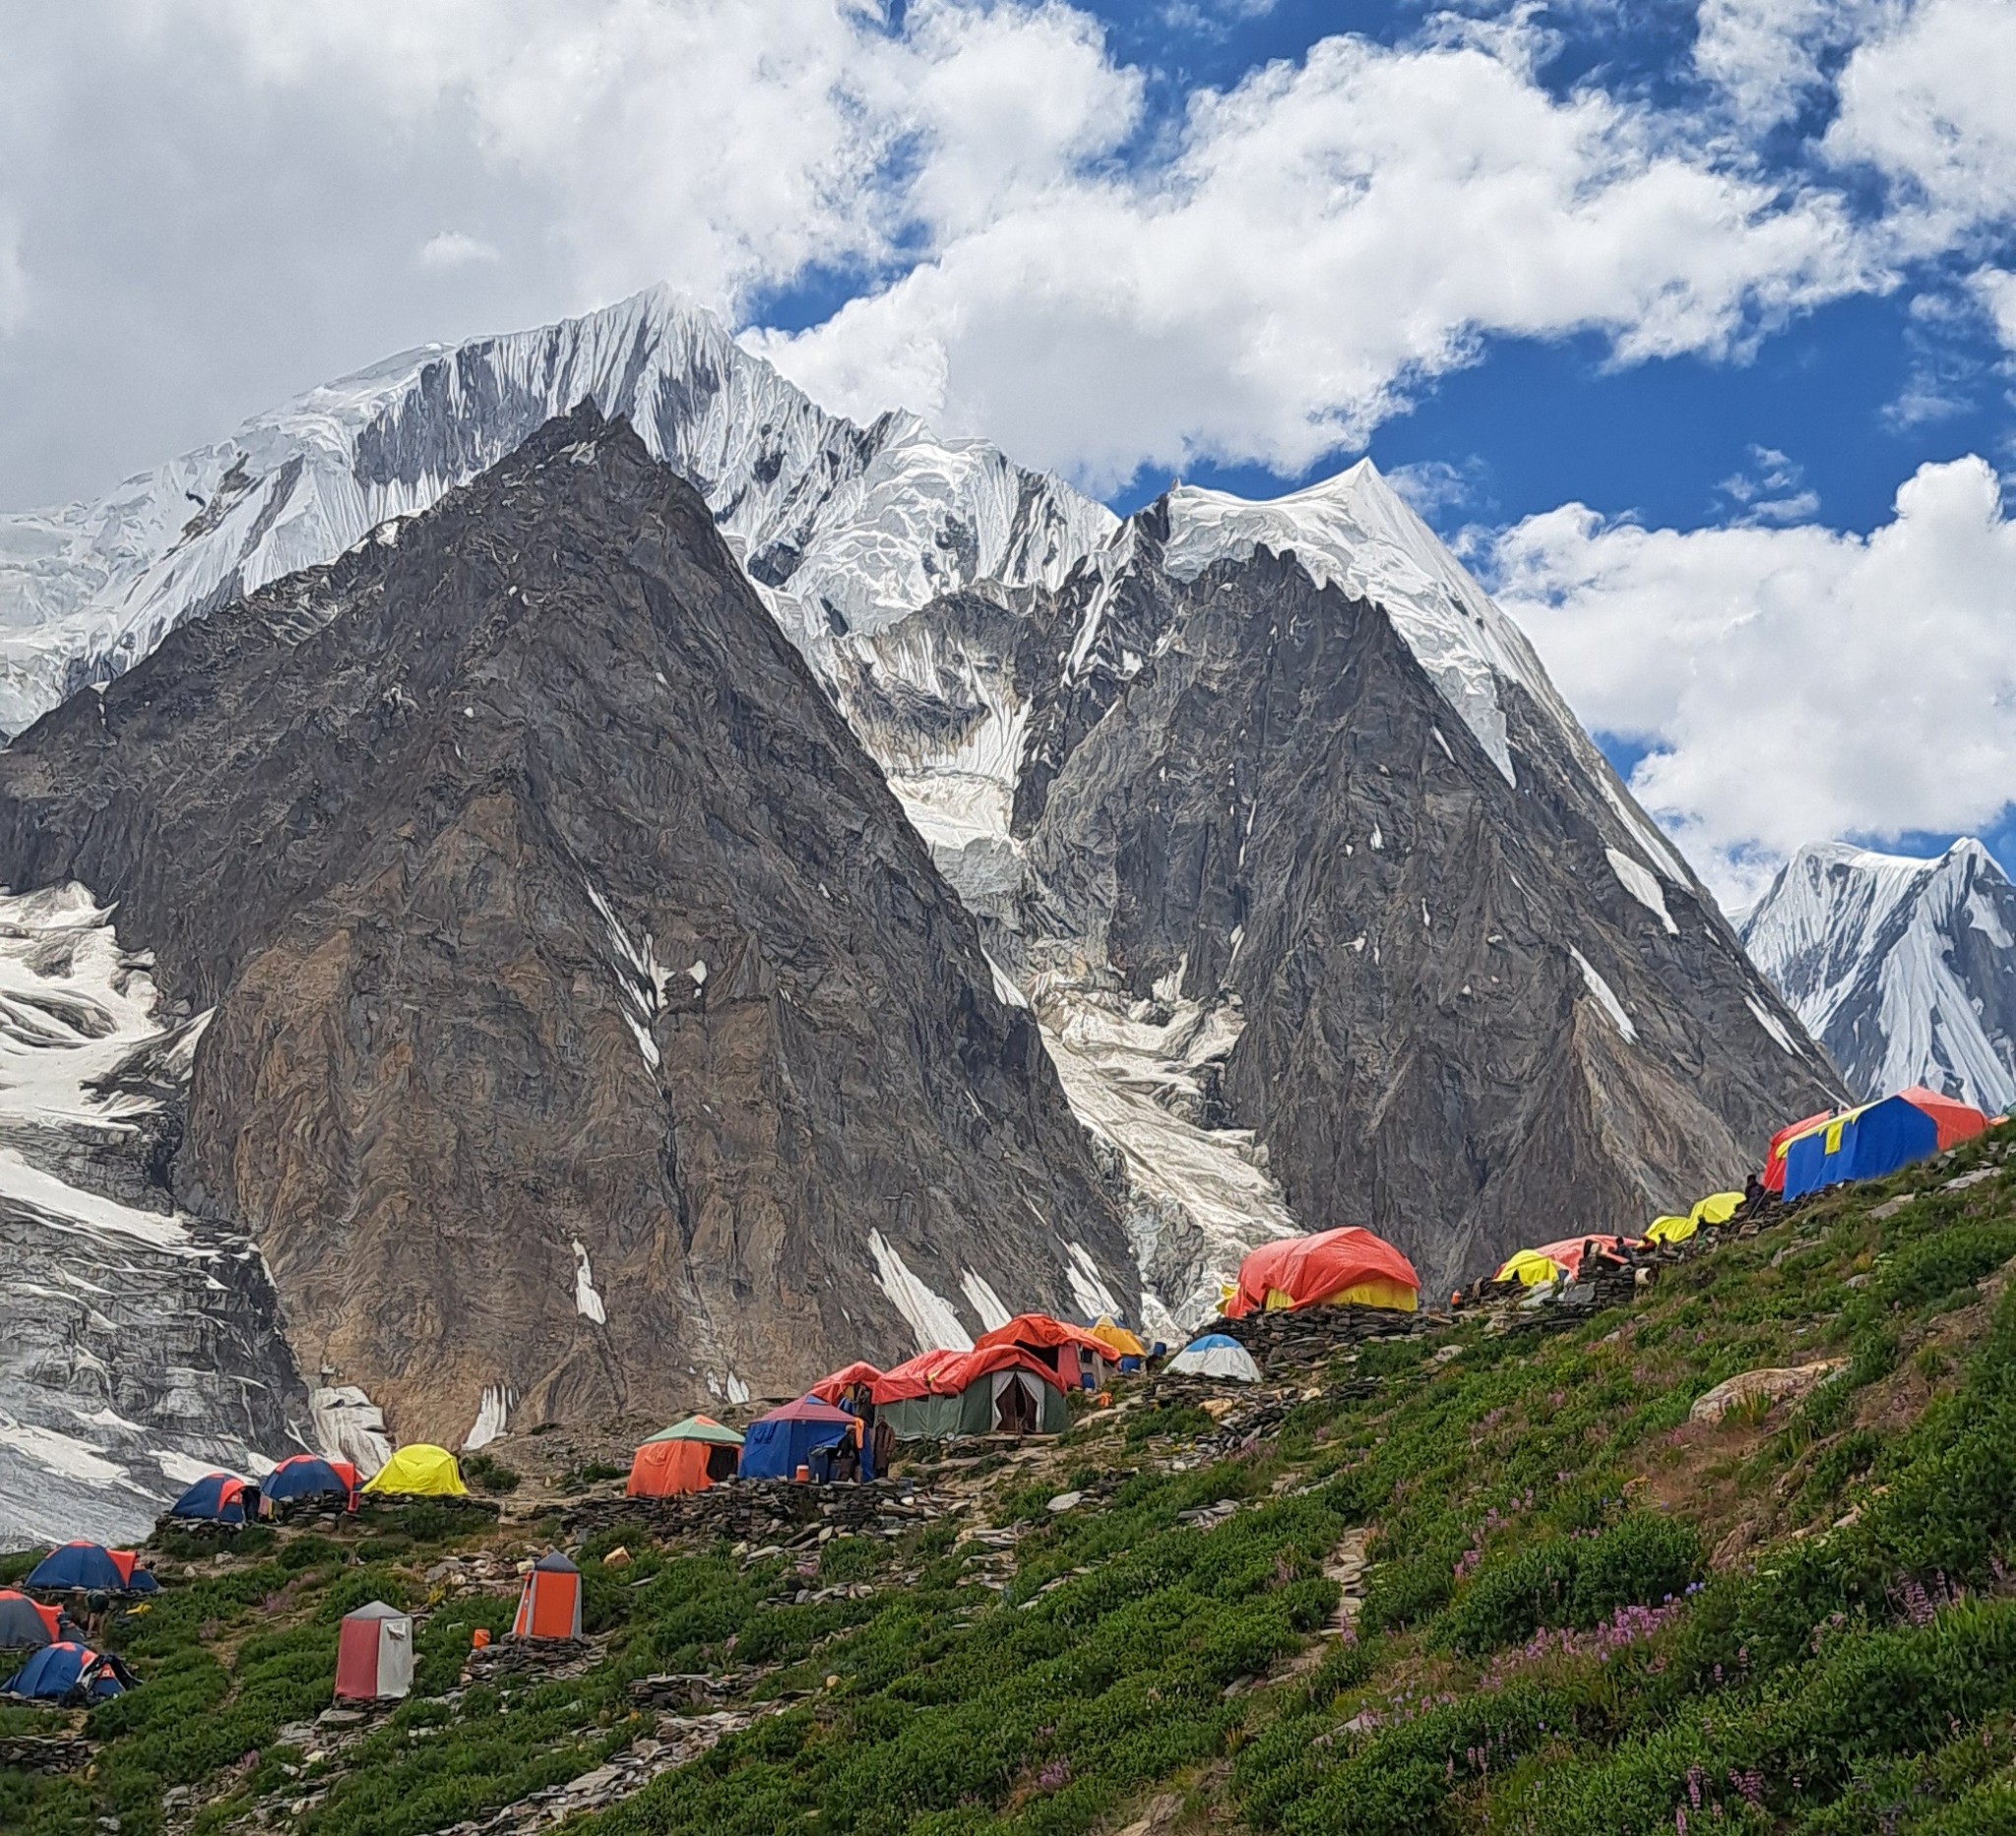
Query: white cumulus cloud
{"x": 1794, "y": 685}
{"x": 453, "y": 249}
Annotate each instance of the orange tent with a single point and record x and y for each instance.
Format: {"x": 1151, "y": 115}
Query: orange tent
{"x": 550, "y": 1604}
{"x": 1334, "y": 1266}
{"x": 1047, "y": 1339}
{"x": 689, "y": 1456}
{"x": 921, "y": 1375}
{"x": 832, "y": 1389}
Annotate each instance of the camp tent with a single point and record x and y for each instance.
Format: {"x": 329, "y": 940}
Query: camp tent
{"x": 1670, "y": 1230}
{"x": 1077, "y": 1358}
{"x": 804, "y": 1433}
{"x": 215, "y": 1497}
{"x": 419, "y": 1471}
{"x": 1217, "y": 1354}
{"x": 26, "y": 1625}
{"x": 1774, "y": 1160}
{"x": 550, "y": 1605}
{"x": 906, "y": 1382}
{"x": 1531, "y": 1267}
{"x": 68, "y": 1672}
{"x": 834, "y": 1388}
{"x": 93, "y": 1567}
{"x": 374, "y": 1653}
{"x": 991, "y": 1389}
{"x": 1717, "y": 1207}
{"x": 307, "y": 1476}
{"x": 1122, "y": 1343}
{"x": 1568, "y": 1253}
{"x": 688, "y": 1456}
{"x": 1877, "y": 1139}
{"x": 1337, "y": 1267}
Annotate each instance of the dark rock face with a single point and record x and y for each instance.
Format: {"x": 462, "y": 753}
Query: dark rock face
{"x": 1461, "y": 1028}
{"x": 588, "y": 1019}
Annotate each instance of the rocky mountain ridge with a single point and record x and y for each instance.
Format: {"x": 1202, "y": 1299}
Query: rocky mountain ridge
{"x": 1904, "y": 969}
{"x": 590, "y": 1028}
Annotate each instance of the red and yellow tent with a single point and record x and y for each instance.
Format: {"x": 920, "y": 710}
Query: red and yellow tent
{"x": 1333, "y": 1267}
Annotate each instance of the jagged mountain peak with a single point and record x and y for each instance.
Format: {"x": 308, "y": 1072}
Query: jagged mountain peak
{"x": 1905, "y": 967}
{"x": 841, "y": 527}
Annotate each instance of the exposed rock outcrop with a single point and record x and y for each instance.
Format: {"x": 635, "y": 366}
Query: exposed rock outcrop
{"x": 589, "y": 1025}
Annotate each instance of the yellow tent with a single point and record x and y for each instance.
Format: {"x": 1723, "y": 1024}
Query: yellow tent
{"x": 1716, "y": 1208}
{"x": 1531, "y": 1267}
{"x": 419, "y": 1471}
{"x": 1671, "y": 1229}
{"x": 1110, "y": 1332}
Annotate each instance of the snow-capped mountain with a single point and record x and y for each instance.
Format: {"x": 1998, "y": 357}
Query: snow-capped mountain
{"x": 139, "y": 1347}
{"x": 1904, "y": 969}
{"x": 843, "y": 528}
{"x": 1198, "y": 773}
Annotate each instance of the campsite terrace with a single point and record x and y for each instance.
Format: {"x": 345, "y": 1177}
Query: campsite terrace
{"x": 1732, "y": 1547}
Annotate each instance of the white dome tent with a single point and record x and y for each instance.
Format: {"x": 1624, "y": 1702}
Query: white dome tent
{"x": 1217, "y": 1354}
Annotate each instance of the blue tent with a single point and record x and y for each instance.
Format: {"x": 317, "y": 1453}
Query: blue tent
{"x": 217, "y": 1497}
{"x": 1864, "y": 1144}
{"x": 303, "y": 1476}
{"x": 93, "y": 1567}
{"x": 69, "y": 1672}
{"x": 807, "y": 1433}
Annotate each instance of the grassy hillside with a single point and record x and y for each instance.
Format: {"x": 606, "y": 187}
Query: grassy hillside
{"x": 1583, "y": 1611}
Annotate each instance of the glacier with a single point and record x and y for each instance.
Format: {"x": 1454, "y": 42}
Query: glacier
{"x": 1904, "y": 969}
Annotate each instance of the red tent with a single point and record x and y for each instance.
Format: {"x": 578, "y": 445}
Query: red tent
{"x": 832, "y": 1388}
{"x": 919, "y": 1376}
{"x": 1955, "y": 1120}
{"x": 374, "y": 1653}
{"x": 1568, "y": 1251}
{"x": 1070, "y": 1351}
{"x": 1349, "y": 1264}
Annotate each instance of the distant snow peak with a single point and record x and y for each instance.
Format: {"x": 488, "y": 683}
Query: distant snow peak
{"x": 1904, "y": 969}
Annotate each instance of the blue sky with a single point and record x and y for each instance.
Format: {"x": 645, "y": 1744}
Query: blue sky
{"x": 1689, "y": 322}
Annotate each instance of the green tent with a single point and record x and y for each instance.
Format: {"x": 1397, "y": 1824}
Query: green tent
{"x": 977, "y": 1408}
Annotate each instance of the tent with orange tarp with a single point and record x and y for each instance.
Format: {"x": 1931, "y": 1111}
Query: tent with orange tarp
{"x": 688, "y": 1456}
{"x": 1075, "y": 1354}
{"x": 550, "y": 1605}
{"x": 1333, "y": 1267}
{"x": 860, "y": 1374}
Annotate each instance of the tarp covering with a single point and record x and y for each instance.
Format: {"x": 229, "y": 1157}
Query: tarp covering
{"x": 1670, "y": 1230}
{"x": 217, "y": 1497}
{"x": 799, "y": 1434}
{"x": 1531, "y": 1267}
{"x": 1569, "y": 1251}
{"x": 1217, "y": 1354}
{"x": 419, "y": 1471}
{"x": 94, "y": 1567}
{"x": 308, "y": 1476}
{"x": 688, "y": 1456}
{"x": 26, "y": 1625}
{"x": 1117, "y": 1338}
{"x": 1869, "y": 1141}
{"x": 914, "y": 1378}
{"x": 1054, "y": 1344}
{"x": 1717, "y": 1207}
{"x": 69, "y": 1672}
{"x": 1955, "y": 1120}
{"x": 830, "y": 1389}
{"x": 1774, "y": 1159}
{"x": 374, "y": 1653}
{"x": 549, "y": 1604}
{"x": 970, "y": 1393}
{"x": 1345, "y": 1265}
